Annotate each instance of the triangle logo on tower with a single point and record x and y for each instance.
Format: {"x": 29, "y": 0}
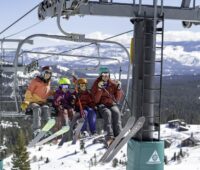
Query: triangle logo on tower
{"x": 154, "y": 159}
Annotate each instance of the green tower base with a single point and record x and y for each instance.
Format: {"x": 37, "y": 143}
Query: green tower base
{"x": 145, "y": 155}
{"x": 1, "y": 164}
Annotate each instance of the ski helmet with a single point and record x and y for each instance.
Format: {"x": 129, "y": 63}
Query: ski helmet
{"x": 46, "y": 70}
{"x": 82, "y": 81}
{"x": 103, "y": 70}
{"x": 63, "y": 80}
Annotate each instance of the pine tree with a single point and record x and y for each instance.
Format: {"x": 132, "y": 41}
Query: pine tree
{"x": 47, "y": 160}
{"x": 82, "y": 145}
{"x": 181, "y": 152}
{"x": 165, "y": 160}
{"x": 115, "y": 162}
{"x": 20, "y": 158}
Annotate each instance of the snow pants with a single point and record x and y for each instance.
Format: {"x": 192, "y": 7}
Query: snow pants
{"x": 63, "y": 118}
{"x": 112, "y": 120}
{"x": 89, "y": 119}
{"x": 41, "y": 114}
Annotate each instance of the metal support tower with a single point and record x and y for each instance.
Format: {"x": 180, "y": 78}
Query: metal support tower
{"x": 146, "y": 101}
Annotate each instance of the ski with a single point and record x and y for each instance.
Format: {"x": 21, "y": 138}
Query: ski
{"x": 63, "y": 130}
{"x": 136, "y": 127}
{"x": 78, "y": 130}
{"x": 128, "y": 125}
{"x": 45, "y": 129}
{"x": 63, "y": 140}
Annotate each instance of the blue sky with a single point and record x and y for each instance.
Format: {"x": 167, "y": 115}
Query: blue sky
{"x": 11, "y": 10}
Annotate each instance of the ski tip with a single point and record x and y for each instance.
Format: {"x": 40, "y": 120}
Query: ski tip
{"x": 73, "y": 142}
{"x": 30, "y": 145}
{"x": 142, "y": 118}
{"x": 66, "y": 127}
{"x": 101, "y": 162}
{"x": 52, "y": 120}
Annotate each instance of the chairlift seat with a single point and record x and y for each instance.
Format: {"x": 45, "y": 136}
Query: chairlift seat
{"x": 29, "y": 111}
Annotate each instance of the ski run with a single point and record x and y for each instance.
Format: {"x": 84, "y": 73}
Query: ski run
{"x": 71, "y": 156}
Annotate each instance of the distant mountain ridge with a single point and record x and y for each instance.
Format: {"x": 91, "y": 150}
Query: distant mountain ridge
{"x": 180, "y": 58}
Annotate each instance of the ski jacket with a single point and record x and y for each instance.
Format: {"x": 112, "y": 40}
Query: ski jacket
{"x": 38, "y": 91}
{"x": 109, "y": 95}
{"x": 64, "y": 99}
{"x": 86, "y": 99}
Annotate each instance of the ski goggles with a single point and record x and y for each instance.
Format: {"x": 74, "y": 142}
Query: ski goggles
{"x": 47, "y": 72}
{"x": 104, "y": 74}
{"x": 65, "y": 86}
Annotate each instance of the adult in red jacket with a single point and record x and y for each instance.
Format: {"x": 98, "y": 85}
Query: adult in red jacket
{"x": 107, "y": 94}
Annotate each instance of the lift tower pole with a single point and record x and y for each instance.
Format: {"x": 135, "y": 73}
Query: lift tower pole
{"x": 146, "y": 150}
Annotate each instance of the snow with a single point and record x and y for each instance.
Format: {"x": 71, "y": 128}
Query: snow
{"x": 185, "y": 58}
{"x": 65, "y": 158}
{"x": 6, "y": 124}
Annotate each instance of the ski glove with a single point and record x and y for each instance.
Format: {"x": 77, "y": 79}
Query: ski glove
{"x": 24, "y": 106}
{"x": 119, "y": 85}
{"x": 101, "y": 84}
{"x": 73, "y": 99}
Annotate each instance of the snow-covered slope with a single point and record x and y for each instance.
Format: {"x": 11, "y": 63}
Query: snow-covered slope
{"x": 70, "y": 156}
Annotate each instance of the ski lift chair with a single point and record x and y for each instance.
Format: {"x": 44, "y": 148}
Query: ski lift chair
{"x": 33, "y": 66}
{"x": 71, "y": 37}
{"x": 73, "y": 71}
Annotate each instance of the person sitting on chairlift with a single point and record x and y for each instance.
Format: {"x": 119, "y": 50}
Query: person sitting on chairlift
{"x": 36, "y": 97}
{"x": 107, "y": 93}
{"x": 88, "y": 104}
{"x": 64, "y": 102}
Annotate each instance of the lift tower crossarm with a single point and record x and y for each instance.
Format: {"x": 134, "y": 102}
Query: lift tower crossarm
{"x": 183, "y": 12}
{"x": 130, "y": 10}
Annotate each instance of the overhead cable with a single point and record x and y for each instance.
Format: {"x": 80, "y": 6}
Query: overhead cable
{"x": 25, "y": 29}
{"x": 19, "y": 19}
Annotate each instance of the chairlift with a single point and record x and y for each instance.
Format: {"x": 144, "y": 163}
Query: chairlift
{"x": 68, "y": 38}
{"x": 34, "y": 65}
{"x": 6, "y": 71}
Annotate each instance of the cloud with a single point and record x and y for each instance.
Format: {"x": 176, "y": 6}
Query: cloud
{"x": 123, "y": 39}
{"x": 174, "y": 36}
{"x": 177, "y": 36}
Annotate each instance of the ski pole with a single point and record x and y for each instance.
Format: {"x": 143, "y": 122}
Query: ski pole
{"x": 79, "y": 101}
{"x": 114, "y": 98}
{"x": 123, "y": 95}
